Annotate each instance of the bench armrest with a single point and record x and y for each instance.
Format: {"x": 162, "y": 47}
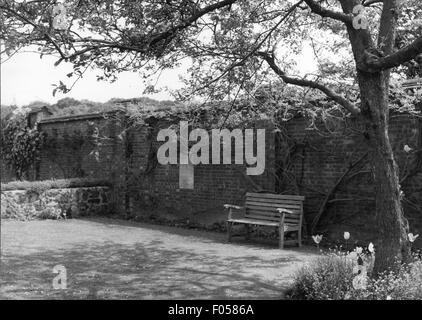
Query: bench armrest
{"x": 232, "y": 206}
{"x": 229, "y": 207}
{"x": 281, "y": 210}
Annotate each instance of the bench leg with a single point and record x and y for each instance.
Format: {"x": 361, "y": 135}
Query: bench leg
{"x": 248, "y": 231}
{"x": 229, "y": 231}
{"x": 299, "y": 238}
{"x": 281, "y": 236}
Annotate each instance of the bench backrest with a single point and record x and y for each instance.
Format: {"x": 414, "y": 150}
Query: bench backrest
{"x": 262, "y": 206}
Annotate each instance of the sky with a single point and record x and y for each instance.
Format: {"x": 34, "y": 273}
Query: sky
{"x": 26, "y": 78}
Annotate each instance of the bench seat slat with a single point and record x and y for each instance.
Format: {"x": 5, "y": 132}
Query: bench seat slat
{"x": 255, "y": 221}
{"x": 274, "y": 201}
{"x": 272, "y": 215}
{"x": 272, "y": 211}
{"x": 273, "y": 205}
{"x": 274, "y": 196}
{"x": 287, "y": 227}
{"x": 257, "y": 216}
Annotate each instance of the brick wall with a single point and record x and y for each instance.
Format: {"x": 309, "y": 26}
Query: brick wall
{"x": 71, "y": 148}
{"x": 299, "y": 161}
{"x": 321, "y": 160}
{"x": 214, "y": 185}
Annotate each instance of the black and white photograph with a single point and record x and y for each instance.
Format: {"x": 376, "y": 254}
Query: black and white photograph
{"x": 211, "y": 154}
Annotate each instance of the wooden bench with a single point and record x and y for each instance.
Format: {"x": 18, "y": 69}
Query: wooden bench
{"x": 284, "y": 212}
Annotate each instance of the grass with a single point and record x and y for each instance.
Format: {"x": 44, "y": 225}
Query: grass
{"x": 112, "y": 259}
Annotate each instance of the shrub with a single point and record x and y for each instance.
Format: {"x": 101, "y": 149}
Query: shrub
{"x": 331, "y": 276}
{"x": 406, "y": 284}
{"x": 43, "y": 185}
{"x": 327, "y": 277}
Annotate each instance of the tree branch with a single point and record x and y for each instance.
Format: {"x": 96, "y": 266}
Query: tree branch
{"x": 35, "y": 26}
{"x": 333, "y": 190}
{"x": 388, "y": 26}
{"x": 198, "y": 14}
{"x": 395, "y": 59}
{"x": 308, "y": 83}
{"x": 154, "y": 39}
{"x": 339, "y": 16}
{"x": 368, "y": 3}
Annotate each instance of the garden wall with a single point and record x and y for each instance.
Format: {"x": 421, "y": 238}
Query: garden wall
{"x": 81, "y": 146}
{"x": 327, "y": 166}
{"x": 154, "y": 188}
{"x": 331, "y": 170}
{"x": 56, "y": 203}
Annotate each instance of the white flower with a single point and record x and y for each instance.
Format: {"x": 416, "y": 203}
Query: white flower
{"x": 317, "y": 238}
{"x": 412, "y": 237}
{"x": 389, "y": 298}
{"x": 407, "y": 149}
{"x": 371, "y": 248}
{"x": 352, "y": 255}
{"x": 360, "y": 270}
{"x": 359, "y": 250}
{"x": 356, "y": 269}
{"x": 360, "y": 282}
{"x": 346, "y": 235}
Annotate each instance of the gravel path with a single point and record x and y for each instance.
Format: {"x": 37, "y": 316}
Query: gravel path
{"x": 112, "y": 259}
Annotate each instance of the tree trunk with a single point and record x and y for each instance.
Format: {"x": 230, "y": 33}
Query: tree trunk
{"x": 391, "y": 225}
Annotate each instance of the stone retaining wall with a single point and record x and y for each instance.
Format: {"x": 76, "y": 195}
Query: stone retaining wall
{"x": 56, "y": 203}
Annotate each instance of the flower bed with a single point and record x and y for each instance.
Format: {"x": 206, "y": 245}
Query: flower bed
{"x": 347, "y": 275}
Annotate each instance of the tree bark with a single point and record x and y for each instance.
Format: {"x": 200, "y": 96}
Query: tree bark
{"x": 391, "y": 225}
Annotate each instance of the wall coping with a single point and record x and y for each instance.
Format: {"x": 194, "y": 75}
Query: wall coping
{"x": 79, "y": 117}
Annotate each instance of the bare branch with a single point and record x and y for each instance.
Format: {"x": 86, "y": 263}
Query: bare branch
{"x": 310, "y": 84}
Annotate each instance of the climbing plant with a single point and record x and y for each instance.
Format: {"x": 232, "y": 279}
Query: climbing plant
{"x": 20, "y": 145}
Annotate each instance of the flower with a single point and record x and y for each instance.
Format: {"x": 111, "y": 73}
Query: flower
{"x": 389, "y": 298}
{"x": 407, "y": 149}
{"x": 371, "y": 248}
{"x": 317, "y": 238}
{"x": 352, "y": 255}
{"x": 359, "y": 250}
{"x": 346, "y": 235}
{"x": 412, "y": 237}
{"x": 360, "y": 282}
{"x": 360, "y": 270}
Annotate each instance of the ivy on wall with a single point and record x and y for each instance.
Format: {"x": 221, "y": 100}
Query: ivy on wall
{"x": 20, "y": 145}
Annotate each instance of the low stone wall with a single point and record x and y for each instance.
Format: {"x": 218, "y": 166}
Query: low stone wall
{"x": 56, "y": 203}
